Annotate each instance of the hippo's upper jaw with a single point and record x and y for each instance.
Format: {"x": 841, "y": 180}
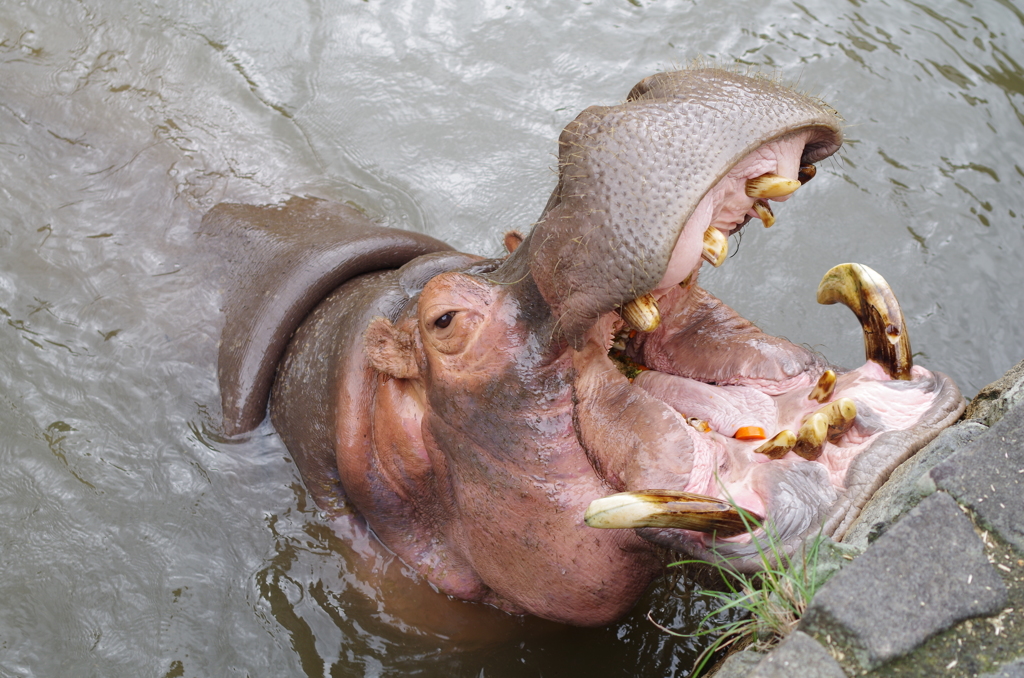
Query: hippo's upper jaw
{"x": 641, "y": 183}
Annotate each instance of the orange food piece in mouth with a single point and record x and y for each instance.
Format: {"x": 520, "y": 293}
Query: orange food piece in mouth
{"x": 750, "y": 433}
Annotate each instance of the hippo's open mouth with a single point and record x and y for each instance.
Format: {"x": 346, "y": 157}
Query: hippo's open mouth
{"x": 796, "y": 444}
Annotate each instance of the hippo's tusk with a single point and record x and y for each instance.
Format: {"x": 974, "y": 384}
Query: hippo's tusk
{"x": 642, "y": 313}
{"x": 779, "y": 445}
{"x": 771, "y": 186}
{"x": 716, "y": 247}
{"x": 764, "y": 213}
{"x": 807, "y": 173}
{"x": 868, "y": 295}
{"x": 668, "y": 508}
{"x": 822, "y": 391}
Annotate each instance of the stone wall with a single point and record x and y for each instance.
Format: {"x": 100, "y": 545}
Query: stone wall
{"x": 930, "y": 579}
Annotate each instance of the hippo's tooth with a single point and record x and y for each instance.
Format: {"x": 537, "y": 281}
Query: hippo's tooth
{"x": 699, "y": 424}
{"x": 806, "y": 173}
{"x": 779, "y": 445}
{"x": 668, "y": 508}
{"x": 840, "y": 415}
{"x": 822, "y": 391}
{"x": 868, "y": 295}
{"x": 716, "y": 247}
{"x": 771, "y": 186}
{"x": 812, "y": 436}
{"x": 642, "y": 313}
{"x": 764, "y": 213}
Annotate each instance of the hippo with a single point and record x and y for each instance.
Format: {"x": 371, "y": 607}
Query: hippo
{"x": 536, "y": 431}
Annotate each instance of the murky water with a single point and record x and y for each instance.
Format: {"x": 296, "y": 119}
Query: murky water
{"x": 136, "y": 541}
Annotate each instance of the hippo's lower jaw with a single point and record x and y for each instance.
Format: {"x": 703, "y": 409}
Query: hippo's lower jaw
{"x": 800, "y": 456}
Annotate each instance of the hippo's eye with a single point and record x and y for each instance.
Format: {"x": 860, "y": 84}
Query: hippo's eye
{"x": 445, "y": 320}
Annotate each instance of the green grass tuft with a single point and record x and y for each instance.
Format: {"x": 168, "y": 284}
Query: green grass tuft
{"x": 769, "y": 603}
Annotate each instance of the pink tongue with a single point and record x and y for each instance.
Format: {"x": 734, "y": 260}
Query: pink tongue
{"x": 725, "y": 408}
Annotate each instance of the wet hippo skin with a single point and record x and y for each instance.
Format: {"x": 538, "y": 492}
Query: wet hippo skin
{"x": 487, "y": 416}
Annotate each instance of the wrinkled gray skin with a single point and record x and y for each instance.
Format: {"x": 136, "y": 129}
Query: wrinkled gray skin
{"x": 467, "y": 408}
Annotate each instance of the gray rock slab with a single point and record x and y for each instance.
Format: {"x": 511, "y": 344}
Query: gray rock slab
{"x": 909, "y": 484}
{"x": 999, "y": 397}
{"x": 987, "y": 476}
{"x": 1011, "y": 670}
{"x": 798, "y": 655}
{"x": 924, "y": 574}
{"x": 739, "y": 664}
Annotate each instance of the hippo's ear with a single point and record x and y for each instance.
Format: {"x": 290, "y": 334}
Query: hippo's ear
{"x": 513, "y": 239}
{"x": 279, "y": 262}
{"x": 391, "y": 350}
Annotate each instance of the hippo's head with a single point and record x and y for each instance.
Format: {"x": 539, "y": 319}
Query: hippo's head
{"x": 490, "y": 405}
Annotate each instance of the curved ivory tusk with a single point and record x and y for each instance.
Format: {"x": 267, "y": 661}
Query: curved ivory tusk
{"x": 840, "y": 415}
{"x": 669, "y": 508}
{"x": 868, "y": 295}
